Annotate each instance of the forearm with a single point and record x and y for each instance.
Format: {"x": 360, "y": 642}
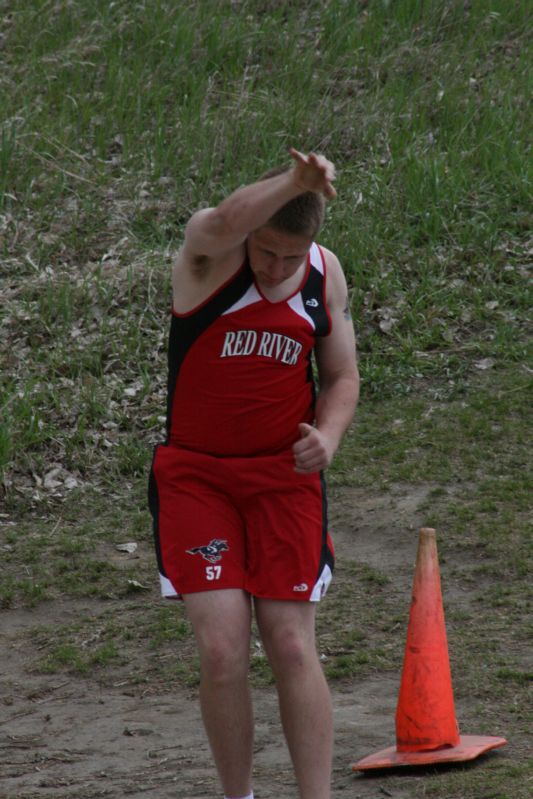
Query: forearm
{"x": 316, "y": 447}
{"x": 252, "y": 206}
{"x": 335, "y": 407}
{"x": 211, "y": 231}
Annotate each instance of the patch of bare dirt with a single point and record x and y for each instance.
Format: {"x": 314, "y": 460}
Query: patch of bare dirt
{"x": 65, "y": 737}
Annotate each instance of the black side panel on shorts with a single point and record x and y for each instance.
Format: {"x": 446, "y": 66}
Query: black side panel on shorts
{"x": 326, "y": 556}
{"x": 153, "y": 504}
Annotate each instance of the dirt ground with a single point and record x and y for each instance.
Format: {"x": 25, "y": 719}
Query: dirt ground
{"x": 66, "y": 736}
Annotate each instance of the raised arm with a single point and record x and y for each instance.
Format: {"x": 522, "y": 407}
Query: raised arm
{"x": 214, "y": 231}
{"x": 338, "y": 381}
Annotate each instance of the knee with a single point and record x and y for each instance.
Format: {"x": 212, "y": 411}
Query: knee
{"x": 288, "y": 650}
{"x": 222, "y": 661}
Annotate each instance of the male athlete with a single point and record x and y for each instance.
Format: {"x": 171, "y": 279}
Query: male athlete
{"x": 237, "y": 491}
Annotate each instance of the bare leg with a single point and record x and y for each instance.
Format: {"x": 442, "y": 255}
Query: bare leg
{"x": 221, "y": 622}
{"x": 288, "y": 633}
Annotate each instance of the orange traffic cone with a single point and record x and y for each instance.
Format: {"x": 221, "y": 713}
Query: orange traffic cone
{"x": 426, "y": 727}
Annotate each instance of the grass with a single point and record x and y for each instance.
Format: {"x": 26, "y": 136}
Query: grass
{"x": 432, "y": 222}
{"x": 107, "y": 645}
{"x": 115, "y": 124}
{"x": 69, "y": 657}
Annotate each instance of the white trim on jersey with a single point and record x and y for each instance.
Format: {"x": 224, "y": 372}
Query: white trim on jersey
{"x": 249, "y": 298}
{"x": 253, "y": 295}
{"x": 297, "y": 305}
{"x": 316, "y": 258}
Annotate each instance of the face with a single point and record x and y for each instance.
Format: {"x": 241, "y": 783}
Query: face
{"x": 276, "y": 256}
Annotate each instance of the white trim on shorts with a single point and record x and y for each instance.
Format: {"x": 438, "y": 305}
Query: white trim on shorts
{"x": 321, "y": 585}
{"x": 167, "y": 589}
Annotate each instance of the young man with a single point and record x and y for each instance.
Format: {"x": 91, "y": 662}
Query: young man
{"x": 237, "y": 492}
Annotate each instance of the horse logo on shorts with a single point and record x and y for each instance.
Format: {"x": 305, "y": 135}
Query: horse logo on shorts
{"x": 211, "y": 552}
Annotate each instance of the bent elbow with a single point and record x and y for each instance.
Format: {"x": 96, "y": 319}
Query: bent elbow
{"x": 219, "y": 223}
{"x": 227, "y": 221}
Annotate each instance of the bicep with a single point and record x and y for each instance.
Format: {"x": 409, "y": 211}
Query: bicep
{"x": 336, "y": 354}
{"x": 206, "y": 234}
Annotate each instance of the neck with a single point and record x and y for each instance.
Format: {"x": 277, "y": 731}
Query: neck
{"x": 286, "y": 288}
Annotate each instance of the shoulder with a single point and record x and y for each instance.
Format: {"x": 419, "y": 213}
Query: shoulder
{"x": 336, "y": 287}
{"x": 333, "y": 265}
{"x": 203, "y": 263}
{"x": 206, "y": 249}
{"x": 210, "y": 235}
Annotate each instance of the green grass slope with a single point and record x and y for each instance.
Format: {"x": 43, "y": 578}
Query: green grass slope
{"x": 119, "y": 119}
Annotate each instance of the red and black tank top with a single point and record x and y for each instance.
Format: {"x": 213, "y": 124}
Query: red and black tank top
{"x": 240, "y": 375}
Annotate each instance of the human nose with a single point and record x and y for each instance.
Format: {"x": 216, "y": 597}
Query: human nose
{"x": 276, "y": 267}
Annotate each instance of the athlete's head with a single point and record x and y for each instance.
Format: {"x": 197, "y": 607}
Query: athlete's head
{"x": 275, "y": 256}
{"x": 278, "y": 249}
{"x": 302, "y": 216}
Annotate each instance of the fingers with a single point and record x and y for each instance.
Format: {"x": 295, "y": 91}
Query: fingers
{"x": 311, "y": 462}
{"x": 305, "y": 429}
{"x": 329, "y": 191}
{"x": 311, "y": 468}
{"x": 322, "y": 163}
{"x": 298, "y": 156}
{"x": 314, "y": 172}
{"x": 328, "y": 171}
{"x": 310, "y": 452}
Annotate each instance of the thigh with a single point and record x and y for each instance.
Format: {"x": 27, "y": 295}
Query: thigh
{"x": 276, "y": 615}
{"x": 199, "y": 534}
{"x": 221, "y": 621}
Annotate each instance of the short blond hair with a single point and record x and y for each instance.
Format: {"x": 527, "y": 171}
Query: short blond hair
{"x": 301, "y": 216}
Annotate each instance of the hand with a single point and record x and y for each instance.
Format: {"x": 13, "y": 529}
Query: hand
{"x": 314, "y": 173}
{"x": 312, "y": 452}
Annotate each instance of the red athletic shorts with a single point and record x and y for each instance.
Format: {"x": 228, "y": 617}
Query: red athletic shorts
{"x": 251, "y": 523}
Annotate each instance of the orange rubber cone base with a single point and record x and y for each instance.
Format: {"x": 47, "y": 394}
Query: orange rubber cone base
{"x": 468, "y": 748}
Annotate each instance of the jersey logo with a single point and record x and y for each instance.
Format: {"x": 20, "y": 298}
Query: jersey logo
{"x": 212, "y": 551}
{"x": 301, "y": 587}
{"x": 262, "y": 344}
{"x": 312, "y": 303}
